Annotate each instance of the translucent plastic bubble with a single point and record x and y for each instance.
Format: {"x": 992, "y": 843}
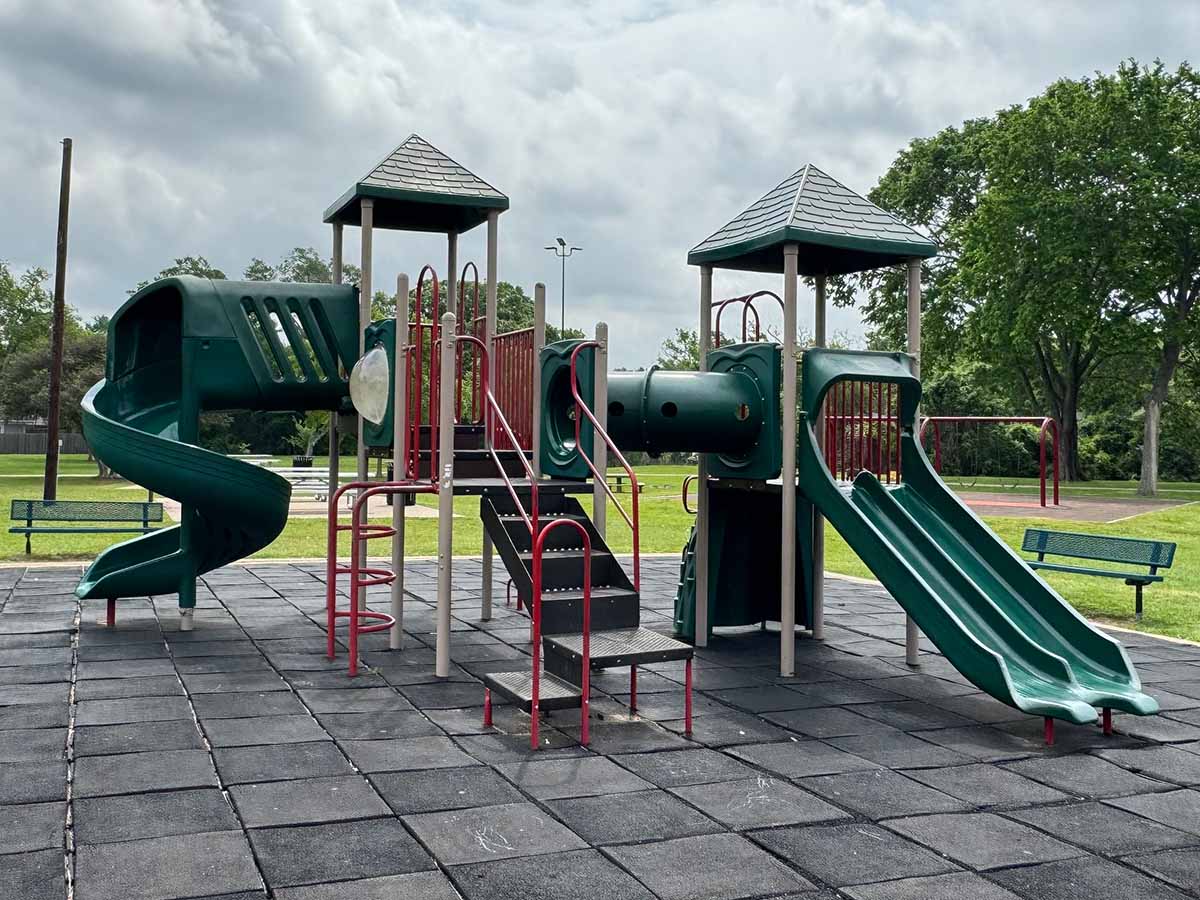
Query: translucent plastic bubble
{"x": 370, "y": 381}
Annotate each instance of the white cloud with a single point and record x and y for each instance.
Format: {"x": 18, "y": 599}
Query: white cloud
{"x": 634, "y": 129}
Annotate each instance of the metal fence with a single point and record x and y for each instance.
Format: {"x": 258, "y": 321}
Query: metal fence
{"x": 36, "y": 443}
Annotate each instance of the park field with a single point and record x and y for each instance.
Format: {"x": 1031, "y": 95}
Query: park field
{"x": 1172, "y": 607}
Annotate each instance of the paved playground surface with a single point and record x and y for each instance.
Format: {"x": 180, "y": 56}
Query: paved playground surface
{"x": 1074, "y": 508}
{"x": 235, "y": 760}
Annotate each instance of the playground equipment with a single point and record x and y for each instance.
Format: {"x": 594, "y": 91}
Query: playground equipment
{"x": 184, "y": 345}
{"x": 527, "y": 428}
{"x": 1047, "y": 432}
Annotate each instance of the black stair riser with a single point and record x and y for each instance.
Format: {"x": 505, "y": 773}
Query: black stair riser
{"x": 564, "y": 571}
{"x": 566, "y": 616}
{"x": 466, "y": 437}
{"x": 476, "y": 466}
{"x": 562, "y": 538}
{"x": 548, "y": 503}
{"x": 564, "y": 667}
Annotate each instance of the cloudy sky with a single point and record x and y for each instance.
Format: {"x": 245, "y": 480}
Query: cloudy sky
{"x": 635, "y": 129}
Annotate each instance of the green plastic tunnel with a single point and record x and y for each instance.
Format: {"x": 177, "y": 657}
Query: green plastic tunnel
{"x": 661, "y": 411}
{"x": 730, "y": 412}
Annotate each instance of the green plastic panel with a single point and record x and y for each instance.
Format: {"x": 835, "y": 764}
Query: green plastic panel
{"x": 759, "y": 364}
{"x": 383, "y": 334}
{"x": 558, "y": 451}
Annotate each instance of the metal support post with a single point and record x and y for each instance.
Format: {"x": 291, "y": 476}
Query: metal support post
{"x": 700, "y": 614}
{"x": 912, "y": 636}
{"x": 818, "y": 523}
{"x": 599, "y": 498}
{"x": 399, "y": 456}
{"x": 787, "y": 574}
{"x": 491, "y": 266}
{"x": 445, "y": 438}
{"x": 539, "y": 341}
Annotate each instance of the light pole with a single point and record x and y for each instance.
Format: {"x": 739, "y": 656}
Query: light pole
{"x": 563, "y": 252}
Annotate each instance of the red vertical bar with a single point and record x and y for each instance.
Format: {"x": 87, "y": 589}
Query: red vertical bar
{"x": 879, "y": 429}
{"x": 887, "y": 434}
{"x": 842, "y": 407}
{"x": 899, "y": 396}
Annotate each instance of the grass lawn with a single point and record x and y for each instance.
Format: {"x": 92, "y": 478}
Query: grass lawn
{"x": 1172, "y": 607}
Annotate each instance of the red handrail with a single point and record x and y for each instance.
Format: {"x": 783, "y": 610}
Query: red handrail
{"x": 360, "y": 532}
{"x": 581, "y": 409}
{"x": 1045, "y": 423}
{"x": 747, "y": 302}
{"x": 536, "y": 614}
{"x": 416, "y": 376}
{"x": 462, "y": 325}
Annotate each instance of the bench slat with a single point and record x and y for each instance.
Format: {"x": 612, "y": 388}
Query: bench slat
{"x": 1104, "y": 573}
{"x": 1136, "y": 551}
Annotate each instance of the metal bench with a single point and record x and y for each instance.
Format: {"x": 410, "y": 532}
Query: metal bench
{"x": 1128, "y": 551}
{"x": 112, "y": 512}
{"x": 618, "y": 483}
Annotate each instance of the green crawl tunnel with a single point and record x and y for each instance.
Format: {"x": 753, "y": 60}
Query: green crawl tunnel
{"x": 730, "y": 412}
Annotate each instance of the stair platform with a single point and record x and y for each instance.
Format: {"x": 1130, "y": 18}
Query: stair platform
{"x": 553, "y": 692}
{"x": 621, "y": 647}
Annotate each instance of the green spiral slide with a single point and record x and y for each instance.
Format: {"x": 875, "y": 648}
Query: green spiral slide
{"x": 184, "y": 345}
{"x": 991, "y": 615}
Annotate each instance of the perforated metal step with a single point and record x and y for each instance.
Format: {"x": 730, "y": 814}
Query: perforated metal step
{"x": 554, "y": 692}
{"x": 621, "y": 647}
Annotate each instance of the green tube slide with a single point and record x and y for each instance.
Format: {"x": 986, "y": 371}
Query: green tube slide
{"x": 183, "y": 345}
{"x": 991, "y": 615}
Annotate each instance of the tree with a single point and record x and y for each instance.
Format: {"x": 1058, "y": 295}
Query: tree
{"x": 681, "y": 351}
{"x": 26, "y": 310}
{"x": 309, "y": 430}
{"x": 25, "y": 387}
{"x": 258, "y": 270}
{"x": 185, "y": 265}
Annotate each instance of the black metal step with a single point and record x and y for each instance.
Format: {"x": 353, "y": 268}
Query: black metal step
{"x": 558, "y": 539}
{"x": 563, "y": 569}
{"x": 621, "y": 647}
{"x": 553, "y": 692}
{"x": 612, "y": 608}
{"x": 466, "y": 437}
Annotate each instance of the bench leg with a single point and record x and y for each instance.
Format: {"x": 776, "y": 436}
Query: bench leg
{"x": 28, "y": 547}
{"x": 1137, "y": 603}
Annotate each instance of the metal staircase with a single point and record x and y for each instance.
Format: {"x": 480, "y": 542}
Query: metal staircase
{"x": 585, "y": 611}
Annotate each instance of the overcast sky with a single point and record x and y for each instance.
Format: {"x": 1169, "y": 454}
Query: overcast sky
{"x": 634, "y": 129}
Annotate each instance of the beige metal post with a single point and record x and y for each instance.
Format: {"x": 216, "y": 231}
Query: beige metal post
{"x": 539, "y": 341}
{"x": 600, "y": 449}
{"x": 912, "y": 636}
{"x": 489, "y": 313}
{"x": 700, "y": 613}
{"x": 818, "y": 539}
{"x": 452, "y": 276}
{"x": 445, "y": 438}
{"x": 364, "y": 314}
{"x": 787, "y": 574}
{"x": 334, "y": 441}
{"x": 399, "y": 457}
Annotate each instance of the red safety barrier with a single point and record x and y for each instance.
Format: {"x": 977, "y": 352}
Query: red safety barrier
{"x": 862, "y": 430}
{"x": 512, "y": 380}
{"x": 1047, "y": 428}
{"x": 473, "y": 326}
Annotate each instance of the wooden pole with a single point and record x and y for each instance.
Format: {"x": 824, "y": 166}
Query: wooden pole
{"x": 50, "y": 486}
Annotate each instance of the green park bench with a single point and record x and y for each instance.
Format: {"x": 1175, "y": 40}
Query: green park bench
{"x": 1125, "y": 551}
{"x": 65, "y": 512}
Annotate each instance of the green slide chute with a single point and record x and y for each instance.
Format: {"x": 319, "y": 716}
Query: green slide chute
{"x": 184, "y": 345}
{"x": 991, "y": 615}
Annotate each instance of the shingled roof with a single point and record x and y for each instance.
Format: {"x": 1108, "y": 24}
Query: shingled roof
{"x": 417, "y": 187}
{"x": 837, "y": 230}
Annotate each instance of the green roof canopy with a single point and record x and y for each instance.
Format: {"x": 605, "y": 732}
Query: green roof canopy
{"x": 837, "y": 230}
{"x": 417, "y": 187}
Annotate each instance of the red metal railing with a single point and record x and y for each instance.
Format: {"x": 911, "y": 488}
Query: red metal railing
{"x": 748, "y": 307}
{"x": 582, "y": 411}
{"x": 1046, "y": 427}
{"x": 683, "y": 496}
{"x": 475, "y": 326}
{"x": 512, "y": 369}
{"x": 360, "y": 532}
{"x": 862, "y": 430}
{"x": 423, "y": 382}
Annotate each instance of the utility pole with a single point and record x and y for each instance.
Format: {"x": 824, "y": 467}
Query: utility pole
{"x": 50, "y": 486}
{"x": 563, "y": 252}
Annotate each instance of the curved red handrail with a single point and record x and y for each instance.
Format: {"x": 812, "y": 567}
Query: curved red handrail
{"x": 747, "y": 302}
{"x": 474, "y": 331}
{"x": 417, "y": 375}
{"x": 687, "y": 483}
{"x": 536, "y": 615}
{"x": 581, "y": 410}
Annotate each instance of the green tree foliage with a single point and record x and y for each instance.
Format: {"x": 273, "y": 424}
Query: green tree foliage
{"x": 26, "y": 310}
{"x": 184, "y": 265}
{"x": 1069, "y": 231}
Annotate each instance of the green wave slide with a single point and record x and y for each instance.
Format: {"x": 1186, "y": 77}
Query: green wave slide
{"x": 179, "y": 347}
{"x": 990, "y": 614}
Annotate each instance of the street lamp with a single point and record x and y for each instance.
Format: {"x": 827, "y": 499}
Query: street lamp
{"x": 562, "y": 251}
